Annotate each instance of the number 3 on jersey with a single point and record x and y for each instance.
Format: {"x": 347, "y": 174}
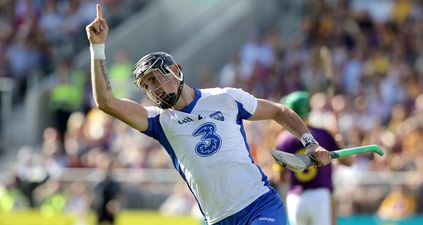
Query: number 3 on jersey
{"x": 210, "y": 141}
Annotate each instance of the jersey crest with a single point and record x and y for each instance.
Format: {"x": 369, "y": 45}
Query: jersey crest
{"x": 217, "y": 116}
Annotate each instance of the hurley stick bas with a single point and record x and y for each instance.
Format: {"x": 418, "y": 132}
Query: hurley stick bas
{"x": 299, "y": 163}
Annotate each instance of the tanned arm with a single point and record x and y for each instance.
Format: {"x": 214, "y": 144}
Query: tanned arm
{"x": 126, "y": 110}
{"x": 292, "y": 122}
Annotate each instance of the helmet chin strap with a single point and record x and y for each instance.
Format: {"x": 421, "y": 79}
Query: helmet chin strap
{"x": 170, "y": 100}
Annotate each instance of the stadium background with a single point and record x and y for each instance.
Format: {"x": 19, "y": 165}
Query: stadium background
{"x": 54, "y": 147}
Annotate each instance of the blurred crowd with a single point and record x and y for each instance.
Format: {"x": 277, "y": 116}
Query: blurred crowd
{"x": 37, "y": 35}
{"x": 373, "y": 97}
{"x": 377, "y": 98}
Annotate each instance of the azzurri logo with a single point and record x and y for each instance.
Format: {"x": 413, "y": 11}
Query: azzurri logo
{"x": 210, "y": 141}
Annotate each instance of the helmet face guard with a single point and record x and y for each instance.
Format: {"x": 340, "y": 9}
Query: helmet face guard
{"x": 154, "y": 77}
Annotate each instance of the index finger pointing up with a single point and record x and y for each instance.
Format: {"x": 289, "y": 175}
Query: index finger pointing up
{"x": 99, "y": 12}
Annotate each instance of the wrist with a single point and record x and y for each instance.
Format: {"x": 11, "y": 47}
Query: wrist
{"x": 307, "y": 139}
{"x": 98, "y": 51}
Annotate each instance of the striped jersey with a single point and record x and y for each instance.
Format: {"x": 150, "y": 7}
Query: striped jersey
{"x": 207, "y": 144}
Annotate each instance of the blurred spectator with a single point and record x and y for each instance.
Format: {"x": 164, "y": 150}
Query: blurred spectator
{"x": 351, "y": 75}
{"x": 78, "y": 201}
{"x": 22, "y": 58}
{"x": 256, "y": 53}
{"x": 398, "y": 204}
{"x": 30, "y": 174}
{"x": 11, "y": 198}
{"x": 52, "y": 152}
{"x": 108, "y": 191}
{"x": 401, "y": 10}
{"x": 120, "y": 74}
{"x": 97, "y": 129}
{"x": 180, "y": 202}
{"x": 51, "y": 198}
{"x": 230, "y": 73}
{"x": 66, "y": 96}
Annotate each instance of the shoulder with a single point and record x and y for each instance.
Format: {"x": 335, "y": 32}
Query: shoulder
{"x": 240, "y": 98}
{"x": 225, "y": 90}
{"x": 153, "y": 111}
{"x": 235, "y": 93}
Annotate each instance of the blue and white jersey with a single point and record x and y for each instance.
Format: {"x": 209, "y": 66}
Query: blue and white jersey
{"x": 207, "y": 143}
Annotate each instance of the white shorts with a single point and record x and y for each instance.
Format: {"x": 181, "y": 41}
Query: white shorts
{"x": 311, "y": 207}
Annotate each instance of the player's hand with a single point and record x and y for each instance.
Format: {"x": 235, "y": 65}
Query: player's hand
{"x": 318, "y": 153}
{"x": 97, "y": 30}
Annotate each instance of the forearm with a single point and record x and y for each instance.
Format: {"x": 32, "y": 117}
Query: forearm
{"x": 283, "y": 116}
{"x": 295, "y": 125}
{"x": 102, "y": 90}
{"x": 291, "y": 121}
{"x": 125, "y": 110}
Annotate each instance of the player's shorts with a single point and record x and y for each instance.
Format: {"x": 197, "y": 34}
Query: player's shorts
{"x": 301, "y": 212}
{"x": 268, "y": 209}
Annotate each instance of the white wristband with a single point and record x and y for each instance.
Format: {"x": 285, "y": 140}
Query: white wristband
{"x": 98, "y": 51}
{"x": 308, "y": 139}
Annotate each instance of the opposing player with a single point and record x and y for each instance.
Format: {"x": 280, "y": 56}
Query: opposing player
{"x": 314, "y": 184}
{"x": 203, "y": 133}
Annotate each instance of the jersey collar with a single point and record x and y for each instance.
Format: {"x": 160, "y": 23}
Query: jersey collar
{"x": 188, "y": 108}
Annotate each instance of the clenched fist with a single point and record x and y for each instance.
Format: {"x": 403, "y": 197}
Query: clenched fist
{"x": 319, "y": 154}
{"x": 97, "y": 30}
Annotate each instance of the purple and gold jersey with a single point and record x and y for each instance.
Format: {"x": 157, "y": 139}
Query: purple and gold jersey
{"x": 313, "y": 177}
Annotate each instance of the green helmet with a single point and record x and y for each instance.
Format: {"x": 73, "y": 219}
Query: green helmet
{"x": 299, "y": 102}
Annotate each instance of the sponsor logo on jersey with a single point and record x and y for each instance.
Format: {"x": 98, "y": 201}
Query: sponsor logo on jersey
{"x": 185, "y": 120}
{"x": 217, "y": 116}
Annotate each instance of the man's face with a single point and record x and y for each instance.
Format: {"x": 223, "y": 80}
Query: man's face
{"x": 157, "y": 86}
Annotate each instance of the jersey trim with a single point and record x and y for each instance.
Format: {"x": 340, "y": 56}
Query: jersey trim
{"x": 190, "y": 106}
{"x": 160, "y": 136}
{"x": 244, "y": 114}
{"x": 150, "y": 130}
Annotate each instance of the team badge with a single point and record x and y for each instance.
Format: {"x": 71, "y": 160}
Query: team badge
{"x": 217, "y": 116}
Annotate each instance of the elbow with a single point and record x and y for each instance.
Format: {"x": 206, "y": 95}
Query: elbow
{"x": 283, "y": 110}
{"x": 287, "y": 112}
{"x": 284, "y": 115}
{"x": 104, "y": 104}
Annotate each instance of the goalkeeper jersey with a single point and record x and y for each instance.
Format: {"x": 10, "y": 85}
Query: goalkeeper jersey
{"x": 207, "y": 144}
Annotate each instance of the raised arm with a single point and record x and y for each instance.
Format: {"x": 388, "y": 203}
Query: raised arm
{"x": 126, "y": 110}
{"x": 294, "y": 124}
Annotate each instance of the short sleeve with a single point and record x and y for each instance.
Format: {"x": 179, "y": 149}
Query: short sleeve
{"x": 247, "y": 103}
{"x": 153, "y": 122}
